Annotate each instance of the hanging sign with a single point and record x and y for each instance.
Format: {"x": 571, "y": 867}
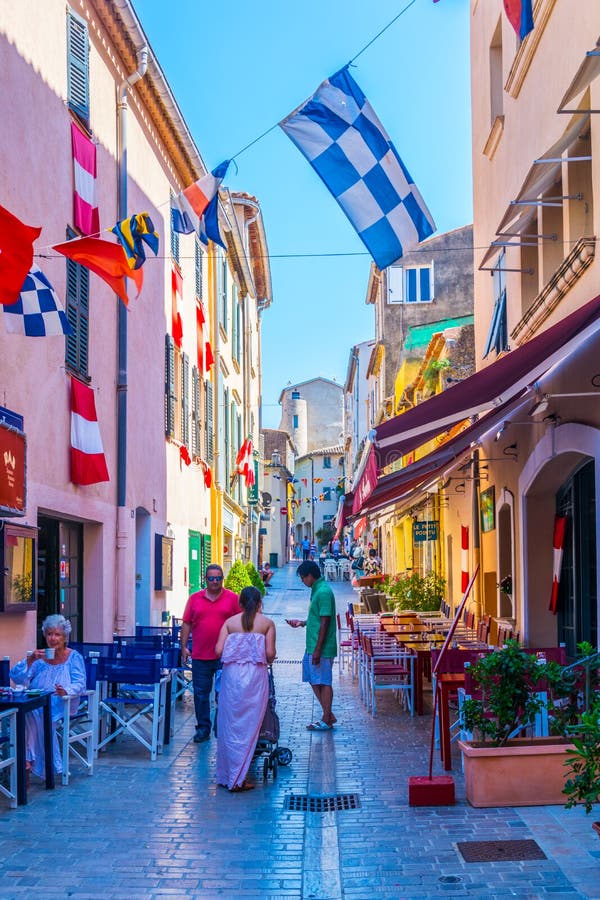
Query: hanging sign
{"x": 12, "y": 465}
{"x": 425, "y": 531}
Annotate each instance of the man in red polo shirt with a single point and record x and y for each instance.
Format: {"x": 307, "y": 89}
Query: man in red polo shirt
{"x": 204, "y": 615}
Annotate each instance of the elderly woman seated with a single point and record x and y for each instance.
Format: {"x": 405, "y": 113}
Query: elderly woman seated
{"x": 58, "y": 669}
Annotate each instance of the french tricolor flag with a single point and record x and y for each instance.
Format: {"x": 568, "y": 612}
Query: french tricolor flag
{"x": 200, "y": 194}
{"x": 88, "y": 465}
{"x": 520, "y": 16}
{"x": 85, "y": 203}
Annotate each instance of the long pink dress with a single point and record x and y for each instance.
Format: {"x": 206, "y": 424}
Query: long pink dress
{"x": 243, "y": 700}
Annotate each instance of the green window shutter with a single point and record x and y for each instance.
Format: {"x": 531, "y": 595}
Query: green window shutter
{"x": 195, "y": 412}
{"x": 185, "y": 399}
{"x": 170, "y": 397}
{"x": 240, "y": 326}
{"x": 77, "y": 344}
{"x": 206, "y": 555}
{"x": 78, "y": 74}
{"x": 209, "y": 432}
{"x": 225, "y": 310}
{"x": 198, "y": 267}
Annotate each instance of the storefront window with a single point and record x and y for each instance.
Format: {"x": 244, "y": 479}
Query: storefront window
{"x": 17, "y": 555}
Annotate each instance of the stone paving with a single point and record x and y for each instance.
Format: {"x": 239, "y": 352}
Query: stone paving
{"x": 138, "y": 829}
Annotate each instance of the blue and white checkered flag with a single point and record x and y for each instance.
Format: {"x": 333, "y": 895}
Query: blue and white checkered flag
{"x": 342, "y": 138}
{"x": 38, "y": 311}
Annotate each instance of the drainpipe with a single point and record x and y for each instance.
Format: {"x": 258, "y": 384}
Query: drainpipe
{"x": 122, "y": 592}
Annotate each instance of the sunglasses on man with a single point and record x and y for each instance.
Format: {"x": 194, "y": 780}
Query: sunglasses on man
{"x": 214, "y": 578}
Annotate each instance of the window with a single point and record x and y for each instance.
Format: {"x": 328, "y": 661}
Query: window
{"x": 209, "y": 434}
{"x": 496, "y": 80}
{"x": 77, "y": 344}
{"x": 224, "y": 311}
{"x": 196, "y": 437}
{"x": 497, "y": 338}
{"x": 327, "y": 493}
{"x": 410, "y": 284}
{"x": 199, "y": 266}
{"x": 174, "y": 240}
{"x": 326, "y": 462}
{"x": 295, "y": 395}
{"x": 294, "y": 421}
{"x": 78, "y": 85}
{"x": 185, "y": 399}
{"x": 170, "y": 396}
{"x": 18, "y": 589}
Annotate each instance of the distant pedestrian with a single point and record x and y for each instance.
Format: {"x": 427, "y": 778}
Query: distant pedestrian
{"x": 321, "y": 643}
{"x": 312, "y": 552}
{"x": 305, "y": 548}
{"x": 298, "y": 550}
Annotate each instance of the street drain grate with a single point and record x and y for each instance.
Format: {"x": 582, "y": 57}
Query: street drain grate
{"x": 295, "y": 662}
{"x": 314, "y": 803}
{"x": 499, "y": 851}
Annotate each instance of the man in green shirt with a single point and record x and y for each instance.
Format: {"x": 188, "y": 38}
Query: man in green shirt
{"x": 321, "y": 643}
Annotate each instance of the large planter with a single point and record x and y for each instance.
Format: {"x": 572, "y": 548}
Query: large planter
{"x": 523, "y": 773}
{"x": 370, "y": 580}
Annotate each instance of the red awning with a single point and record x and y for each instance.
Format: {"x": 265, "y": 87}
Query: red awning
{"x": 392, "y": 488}
{"x": 504, "y": 380}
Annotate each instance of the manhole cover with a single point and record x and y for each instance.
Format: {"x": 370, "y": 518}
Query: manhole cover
{"x": 312, "y": 803}
{"x": 499, "y": 851}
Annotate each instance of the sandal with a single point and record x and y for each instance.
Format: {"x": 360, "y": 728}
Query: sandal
{"x": 319, "y": 726}
{"x": 246, "y": 786}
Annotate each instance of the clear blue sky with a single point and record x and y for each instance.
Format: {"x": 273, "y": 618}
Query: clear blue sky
{"x": 238, "y": 67}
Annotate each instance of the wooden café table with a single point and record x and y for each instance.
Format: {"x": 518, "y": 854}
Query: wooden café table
{"x": 420, "y": 645}
{"x": 24, "y": 702}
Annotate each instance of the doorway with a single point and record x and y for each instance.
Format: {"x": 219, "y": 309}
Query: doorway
{"x": 60, "y": 572}
{"x": 577, "y": 601}
{"x": 143, "y": 586}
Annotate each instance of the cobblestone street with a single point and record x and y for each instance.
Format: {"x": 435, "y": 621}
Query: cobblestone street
{"x": 138, "y": 829}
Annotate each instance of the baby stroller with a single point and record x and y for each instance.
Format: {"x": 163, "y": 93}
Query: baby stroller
{"x": 267, "y": 747}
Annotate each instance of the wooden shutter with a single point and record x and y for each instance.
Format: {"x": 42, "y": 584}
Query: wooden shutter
{"x": 170, "y": 398}
{"x": 227, "y": 437}
{"x": 78, "y": 74}
{"x": 77, "y": 344}
{"x": 209, "y": 420}
{"x": 174, "y": 239}
{"x": 198, "y": 267}
{"x": 195, "y": 411}
{"x": 185, "y": 399}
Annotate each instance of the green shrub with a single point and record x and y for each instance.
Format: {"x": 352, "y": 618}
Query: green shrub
{"x": 255, "y": 578}
{"x": 237, "y": 577}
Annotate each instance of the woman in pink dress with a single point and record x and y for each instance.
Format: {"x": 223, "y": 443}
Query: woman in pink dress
{"x": 246, "y": 646}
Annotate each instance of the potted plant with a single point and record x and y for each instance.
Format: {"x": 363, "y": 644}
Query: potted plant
{"x": 583, "y": 763}
{"x": 237, "y": 577}
{"x": 409, "y": 590}
{"x": 255, "y": 578}
{"x": 502, "y": 768}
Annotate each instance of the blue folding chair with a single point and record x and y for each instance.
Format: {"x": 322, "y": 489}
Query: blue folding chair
{"x": 135, "y": 700}
{"x": 5, "y": 672}
{"x": 91, "y": 649}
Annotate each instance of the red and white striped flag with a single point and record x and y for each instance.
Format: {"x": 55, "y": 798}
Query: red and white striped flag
{"x": 85, "y": 203}
{"x": 244, "y": 462}
{"x": 464, "y": 557}
{"x": 176, "y": 307}
{"x": 560, "y": 524}
{"x": 88, "y": 465}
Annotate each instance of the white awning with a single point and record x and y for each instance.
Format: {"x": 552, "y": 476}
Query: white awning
{"x": 587, "y": 72}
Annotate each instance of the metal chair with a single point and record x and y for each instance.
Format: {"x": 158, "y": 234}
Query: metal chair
{"x": 135, "y": 701}
{"x": 8, "y": 754}
{"x": 77, "y": 731}
{"x": 388, "y": 667}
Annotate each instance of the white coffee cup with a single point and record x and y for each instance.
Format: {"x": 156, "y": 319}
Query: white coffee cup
{"x": 49, "y": 652}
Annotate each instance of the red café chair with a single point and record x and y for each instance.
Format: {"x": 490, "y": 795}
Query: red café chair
{"x": 388, "y": 667}
{"x": 345, "y": 645}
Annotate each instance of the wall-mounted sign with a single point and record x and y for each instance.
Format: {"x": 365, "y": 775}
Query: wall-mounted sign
{"x": 163, "y": 563}
{"x": 253, "y": 489}
{"x": 12, "y": 467}
{"x": 425, "y": 531}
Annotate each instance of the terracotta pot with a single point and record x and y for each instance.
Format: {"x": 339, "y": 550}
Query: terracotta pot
{"x": 523, "y": 773}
